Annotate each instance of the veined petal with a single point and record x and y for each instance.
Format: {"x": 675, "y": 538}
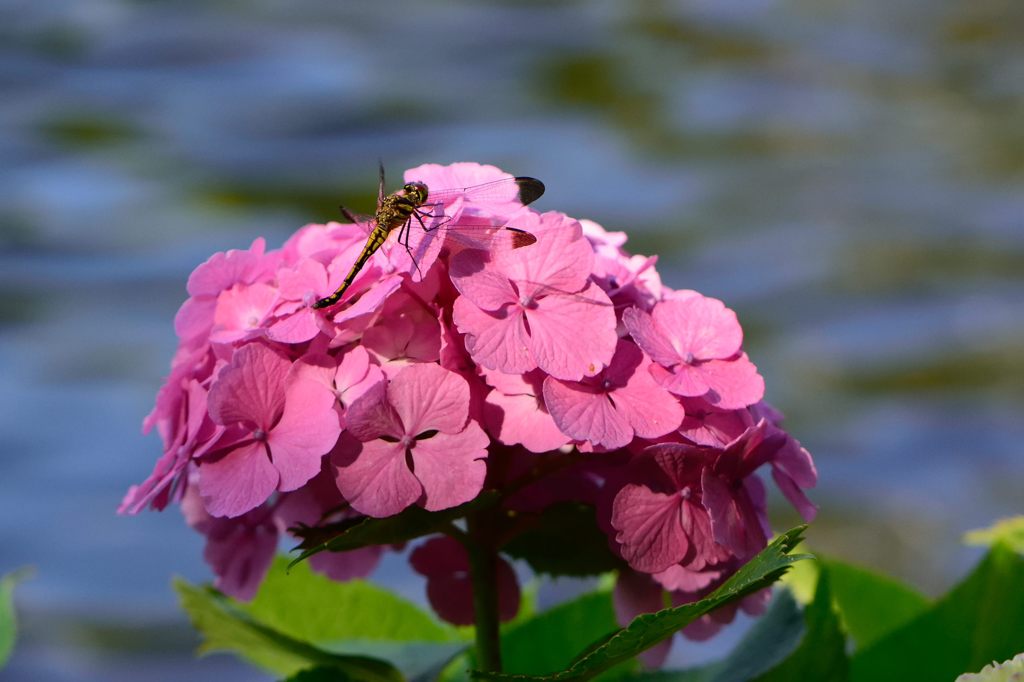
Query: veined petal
{"x": 451, "y": 467}
{"x": 374, "y": 477}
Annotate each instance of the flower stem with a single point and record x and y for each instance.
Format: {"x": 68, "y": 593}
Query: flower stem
{"x": 483, "y": 562}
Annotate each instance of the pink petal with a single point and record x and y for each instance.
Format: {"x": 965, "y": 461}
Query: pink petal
{"x": 194, "y": 318}
{"x": 684, "y": 380}
{"x": 649, "y": 337}
{"x": 296, "y": 328}
{"x": 222, "y": 270}
{"x": 807, "y": 509}
{"x": 679, "y": 578}
{"x": 585, "y": 414}
{"x": 371, "y": 416}
{"x": 495, "y": 340}
{"x": 700, "y": 326}
{"x": 487, "y": 288}
{"x": 451, "y": 467}
{"x": 427, "y": 396}
{"x": 520, "y": 419}
{"x": 650, "y": 410}
{"x": 251, "y": 388}
{"x": 240, "y": 556}
{"x": 560, "y": 260}
{"x": 635, "y": 594}
{"x": 733, "y": 520}
{"x": 573, "y": 336}
{"x": 734, "y": 383}
{"x": 308, "y": 430}
{"x": 241, "y": 480}
{"x": 650, "y": 534}
{"x": 240, "y": 312}
{"x": 343, "y": 566}
{"x": 374, "y": 477}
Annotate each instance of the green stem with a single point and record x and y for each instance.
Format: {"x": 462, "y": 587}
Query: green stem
{"x": 483, "y": 566}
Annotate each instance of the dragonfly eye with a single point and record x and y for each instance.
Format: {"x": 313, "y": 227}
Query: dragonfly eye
{"x": 416, "y": 190}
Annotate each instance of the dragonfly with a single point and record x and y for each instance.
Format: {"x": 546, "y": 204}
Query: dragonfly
{"x": 416, "y": 202}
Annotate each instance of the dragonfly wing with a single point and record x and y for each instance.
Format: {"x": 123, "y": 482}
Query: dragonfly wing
{"x": 519, "y": 190}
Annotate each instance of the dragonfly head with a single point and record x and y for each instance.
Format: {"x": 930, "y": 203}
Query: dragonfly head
{"x": 416, "y": 191}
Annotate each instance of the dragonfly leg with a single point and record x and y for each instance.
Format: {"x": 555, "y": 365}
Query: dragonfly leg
{"x": 403, "y": 238}
{"x": 380, "y": 187}
{"x": 420, "y": 215}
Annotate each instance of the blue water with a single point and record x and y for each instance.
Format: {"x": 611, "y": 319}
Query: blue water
{"x": 847, "y": 176}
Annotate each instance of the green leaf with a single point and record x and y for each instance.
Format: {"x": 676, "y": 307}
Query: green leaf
{"x": 318, "y": 674}
{"x": 647, "y": 630}
{"x": 359, "y": 532}
{"x": 313, "y": 608}
{"x": 772, "y": 638}
{"x": 871, "y": 605}
{"x": 226, "y": 628}
{"x": 979, "y": 621}
{"x": 821, "y": 655}
{"x": 8, "y": 619}
{"x": 565, "y": 540}
{"x": 549, "y": 640}
{"x": 1010, "y": 531}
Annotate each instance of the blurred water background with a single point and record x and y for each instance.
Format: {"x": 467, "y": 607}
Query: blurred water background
{"x": 846, "y": 175}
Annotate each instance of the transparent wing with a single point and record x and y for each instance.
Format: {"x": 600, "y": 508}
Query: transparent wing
{"x": 523, "y": 189}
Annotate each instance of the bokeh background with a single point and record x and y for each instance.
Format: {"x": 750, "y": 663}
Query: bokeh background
{"x": 846, "y": 175}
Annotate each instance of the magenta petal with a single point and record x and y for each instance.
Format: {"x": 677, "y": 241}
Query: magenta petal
{"x": 308, "y": 430}
{"x": 573, "y": 336}
{"x": 561, "y": 260}
{"x": 735, "y": 383}
{"x": 342, "y": 566}
{"x": 650, "y": 534}
{"x": 586, "y": 414}
{"x": 678, "y": 578}
{"x": 299, "y": 327}
{"x": 733, "y": 521}
{"x": 240, "y": 556}
{"x": 194, "y": 318}
{"x": 635, "y": 594}
{"x": 485, "y": 287}
{"x": 518, "y": 419}
{"x": 808, "y": 510}
{"x": 251, "y": 388}
{"x": 374, "y": 477}
{"x": 451, "y": 467}
{"x": 496, "y": 341}
{"x": 685, "y": 380}
{"x": 241, "y": 480}
{"x": 427, "y": 396}
{"x": 371, "y": 416}
{"x": 701, "y": 326}
{"x": 650, "y": 338}
{"x": 650, "y": 410}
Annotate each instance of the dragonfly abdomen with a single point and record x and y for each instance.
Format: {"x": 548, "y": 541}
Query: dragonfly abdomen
{"x": 373, "y": 242}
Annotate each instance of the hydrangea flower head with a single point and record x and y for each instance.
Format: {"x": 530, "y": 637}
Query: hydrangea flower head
{"x": 563, "y": 372}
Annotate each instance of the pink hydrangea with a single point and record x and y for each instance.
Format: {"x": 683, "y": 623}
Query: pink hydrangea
{"x": 561, "y": 372}
{"x": 412, "y": 443}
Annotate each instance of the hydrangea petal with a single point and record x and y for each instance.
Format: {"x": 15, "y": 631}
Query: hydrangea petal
{"x": 237, "y": 482}
{"x": 700, "y": 326}
{"x": 733, "y": 384}
{"x": 650, "y": 534}
{"x": 586, "y": 414}
{"x": 650, "y": 338}
{"x": 251, "y": 388}
{"x": 520, "y": 419}
{"x": 374, "y": 477}
{"x": 427, "y": 396}
{"x": 733, "y": 520}
{"x": 573, "y": 336}
{"x": 495, "y": 340}
{"x": 307, "y": 431}
{"x": 451, "y": 467}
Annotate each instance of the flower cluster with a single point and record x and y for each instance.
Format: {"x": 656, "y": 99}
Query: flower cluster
{"x": 451, "y": 365}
